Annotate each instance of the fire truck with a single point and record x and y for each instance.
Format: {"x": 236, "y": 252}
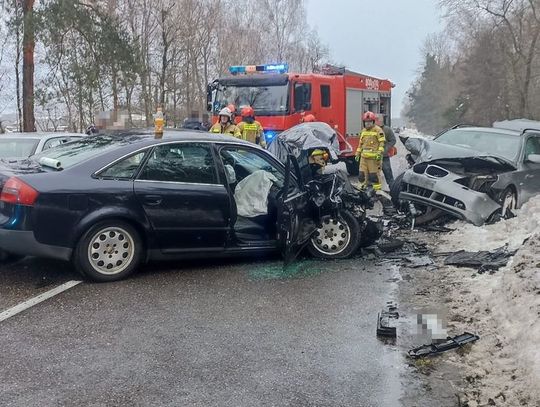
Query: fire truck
{"x": 335, "y": 95}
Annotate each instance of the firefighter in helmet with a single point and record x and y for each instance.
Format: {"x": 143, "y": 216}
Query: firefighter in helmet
{"x": 370, "y": 152}
{"x": 250, "y": 129}
{"x": 225, "y": 125}
{"x": 317, "y": 161}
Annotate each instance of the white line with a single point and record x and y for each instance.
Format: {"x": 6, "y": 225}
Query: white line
{"x": 36, "y": 300}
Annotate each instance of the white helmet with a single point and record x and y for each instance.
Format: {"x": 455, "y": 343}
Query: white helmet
{"x": 225, "y": 112}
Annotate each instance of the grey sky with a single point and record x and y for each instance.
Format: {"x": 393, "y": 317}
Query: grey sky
{"x": 380, "y": 38}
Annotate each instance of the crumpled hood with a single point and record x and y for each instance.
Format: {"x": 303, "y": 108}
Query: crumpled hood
{"x": 423, "y": 150}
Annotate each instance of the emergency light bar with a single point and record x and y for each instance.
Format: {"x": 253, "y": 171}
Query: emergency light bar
{"x": 269, "y": 68}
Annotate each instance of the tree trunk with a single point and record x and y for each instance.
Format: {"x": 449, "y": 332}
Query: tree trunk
{"x": 28, "y": 66}
{"x": 17, "y": 71}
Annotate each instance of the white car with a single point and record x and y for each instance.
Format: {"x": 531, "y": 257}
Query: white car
{"x": 22, "y": 145}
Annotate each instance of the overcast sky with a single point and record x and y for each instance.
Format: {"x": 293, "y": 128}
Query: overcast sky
{"x": 380, "y": 38}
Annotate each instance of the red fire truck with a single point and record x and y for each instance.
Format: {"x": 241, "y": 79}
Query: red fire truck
{"x": 335, "y": 96}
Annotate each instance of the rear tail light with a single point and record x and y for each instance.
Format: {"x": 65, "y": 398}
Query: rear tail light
{"x": 16, "y": 191}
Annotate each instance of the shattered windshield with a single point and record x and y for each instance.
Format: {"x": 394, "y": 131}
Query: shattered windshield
{"x": 265, "y": 100}
{"x": 490, "y": 143}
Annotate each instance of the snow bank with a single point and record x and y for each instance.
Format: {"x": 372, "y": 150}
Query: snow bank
{"x": 504, "y": 365}
{"x": 512, "y": 232}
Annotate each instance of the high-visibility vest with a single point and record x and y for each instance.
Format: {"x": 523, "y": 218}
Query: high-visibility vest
{"x": 371, "y": 143}
{"x": 252, "y": 132}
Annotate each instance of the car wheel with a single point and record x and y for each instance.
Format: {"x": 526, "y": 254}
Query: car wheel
{"x": 395, "y": 189}
{"x": 108, "y": 251}
{"x": 508, "y": 201}
{"x": 352, "y": 166}
{"x": 335, "y": 238}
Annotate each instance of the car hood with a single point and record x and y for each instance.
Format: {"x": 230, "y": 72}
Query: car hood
{"x": 423, "y": 150}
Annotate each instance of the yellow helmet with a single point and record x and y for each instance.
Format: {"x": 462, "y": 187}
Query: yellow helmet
{"x": 320, "y": 152}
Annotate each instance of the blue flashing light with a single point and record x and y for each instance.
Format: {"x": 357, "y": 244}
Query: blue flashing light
{"x": 268, "y": 68}
{"x": 269, "y": 136}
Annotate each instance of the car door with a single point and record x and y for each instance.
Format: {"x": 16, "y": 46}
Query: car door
{"x": 530, "y": 177}
{"x": 296, "y": 217}
{"x": 187, "y": 207}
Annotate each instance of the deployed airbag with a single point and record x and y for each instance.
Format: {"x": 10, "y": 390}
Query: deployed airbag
{"x": 251, "y": 194}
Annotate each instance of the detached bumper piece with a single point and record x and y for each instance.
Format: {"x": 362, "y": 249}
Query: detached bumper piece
{"x": 386, "y": 321}
{"x": 450, "y": 343}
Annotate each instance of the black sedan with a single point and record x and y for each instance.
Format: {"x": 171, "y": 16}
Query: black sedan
{"x": 110, "y": 202}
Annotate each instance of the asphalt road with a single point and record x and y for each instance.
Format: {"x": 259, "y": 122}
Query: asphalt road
{"x": 219, "y": 333}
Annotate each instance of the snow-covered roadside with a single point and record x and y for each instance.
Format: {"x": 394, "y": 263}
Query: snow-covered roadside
{"x": 503, "y": 367}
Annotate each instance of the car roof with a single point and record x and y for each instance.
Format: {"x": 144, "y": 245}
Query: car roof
{"x": 149, "y": 136}
{"x": 39, "y": 135}
{"x": 494, "y": 130}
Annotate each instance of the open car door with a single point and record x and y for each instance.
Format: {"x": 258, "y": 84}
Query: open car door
{"x": 296, "y": 221}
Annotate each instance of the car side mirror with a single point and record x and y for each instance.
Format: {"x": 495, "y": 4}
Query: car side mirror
{"x": 534, "y": 158}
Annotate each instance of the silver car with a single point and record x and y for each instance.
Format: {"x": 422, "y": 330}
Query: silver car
{"x": 478, "y": 174}
{"x": 22, "y": 145}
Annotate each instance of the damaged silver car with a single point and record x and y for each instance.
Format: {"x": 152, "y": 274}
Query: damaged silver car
{"x": 478, "y": 174}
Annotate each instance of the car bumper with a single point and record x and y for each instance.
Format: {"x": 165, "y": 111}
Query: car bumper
{"x": 449, "y": 196}
{"x": 24, "y": 243}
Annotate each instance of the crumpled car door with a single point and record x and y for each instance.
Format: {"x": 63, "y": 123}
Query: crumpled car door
{"x": 295, "y": 220}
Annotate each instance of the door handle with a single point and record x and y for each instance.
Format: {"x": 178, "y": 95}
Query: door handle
{"x": 153, "y": 199}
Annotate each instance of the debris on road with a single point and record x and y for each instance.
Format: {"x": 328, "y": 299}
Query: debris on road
{"x": 483, "y": 260}
{"x": 450, "y": 343}
{"x": 386, "y": 321}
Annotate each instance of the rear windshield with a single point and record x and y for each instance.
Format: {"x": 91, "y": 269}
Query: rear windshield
{"x": 490, "y": 143}
{"x": 81, "y": 150}
{"x": 17, "y": 147}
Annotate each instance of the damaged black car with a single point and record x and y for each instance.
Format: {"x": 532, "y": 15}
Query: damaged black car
{"x": 477, "y": 174}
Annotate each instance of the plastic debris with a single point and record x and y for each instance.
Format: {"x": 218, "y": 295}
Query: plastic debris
{"x": 386, "y": 321}
{"x": 450, "y": 343}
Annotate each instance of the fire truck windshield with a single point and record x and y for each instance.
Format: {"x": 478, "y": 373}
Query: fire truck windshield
{"x": 265, "y": 100}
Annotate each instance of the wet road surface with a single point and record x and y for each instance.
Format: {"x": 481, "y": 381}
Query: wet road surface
{"x": 219, "y": 333}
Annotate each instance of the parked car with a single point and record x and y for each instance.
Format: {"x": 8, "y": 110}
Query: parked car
{"x": 478, "y": 174}
{"x": 110, "y": 202}
{"x": 21, "y": 145}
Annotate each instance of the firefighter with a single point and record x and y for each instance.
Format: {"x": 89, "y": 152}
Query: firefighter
{"x": 224, "y": 124}
{"x": 370, "y": 152}
{"x": 317, "y": 161}
{"x": 308, "y": 118}
{"x": 389, "y": 151}
{"x": 250, "y": 129}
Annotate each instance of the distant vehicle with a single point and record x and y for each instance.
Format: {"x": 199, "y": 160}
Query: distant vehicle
{"x": 22, "y": 145}
{"x": 110, "y": 202}
{"x": 478, "y": 174}
{"x": 194, "y": 124}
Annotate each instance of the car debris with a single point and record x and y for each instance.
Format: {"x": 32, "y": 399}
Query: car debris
{"x": 451, "y": 343}
{"x": 477, "y": 174}
{"x": 483, "y": 260}
{"x": 386, "y": 321}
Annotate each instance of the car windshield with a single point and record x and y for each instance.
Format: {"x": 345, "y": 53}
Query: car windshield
{"x": 490, "y": 143}
{"x": 263, "y": 99}
{"x": 17, "y": 147}
{"x": 81, "y": 150}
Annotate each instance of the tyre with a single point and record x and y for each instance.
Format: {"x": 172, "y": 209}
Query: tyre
{"x": 508, "y": 199}
{"x": 395, "y": 189}
{"x": 352, "y": 166}
{"x": 108, "y": 251}
{"x": 335, "y": 238}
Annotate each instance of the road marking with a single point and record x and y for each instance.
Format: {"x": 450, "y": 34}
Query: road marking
{"x": 36, "y": 300}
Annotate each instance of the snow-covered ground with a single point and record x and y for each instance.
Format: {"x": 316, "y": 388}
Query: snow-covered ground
{"x": 504, "y": 365}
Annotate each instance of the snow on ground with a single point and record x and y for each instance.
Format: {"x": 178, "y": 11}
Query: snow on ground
{"x": 503, "y": 308}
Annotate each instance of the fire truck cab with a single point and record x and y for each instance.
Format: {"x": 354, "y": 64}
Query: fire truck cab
{"x": 335, "y": 96}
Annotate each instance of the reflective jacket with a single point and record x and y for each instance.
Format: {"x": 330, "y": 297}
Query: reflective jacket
{"x": 371, "y": 143}
{"x": 252, "y": 132}
{"x": 229, "y": 128}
